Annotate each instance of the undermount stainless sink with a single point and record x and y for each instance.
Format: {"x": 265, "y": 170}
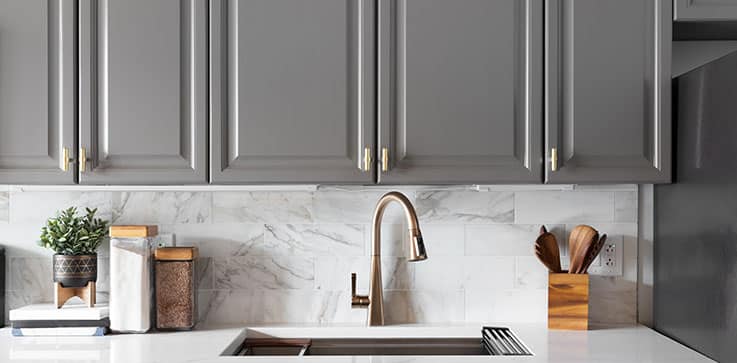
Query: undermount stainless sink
{"x": 362, "y": 346}
{"x": 496, "y": 341}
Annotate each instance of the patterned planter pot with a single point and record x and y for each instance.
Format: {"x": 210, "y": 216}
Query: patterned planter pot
{"x": 75, "y": 271}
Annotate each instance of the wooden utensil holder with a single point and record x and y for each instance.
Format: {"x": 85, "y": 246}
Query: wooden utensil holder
{"x": 568, "y": 301}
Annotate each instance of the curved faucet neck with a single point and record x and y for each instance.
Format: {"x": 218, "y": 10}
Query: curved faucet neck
{"x": 409, "y": 213}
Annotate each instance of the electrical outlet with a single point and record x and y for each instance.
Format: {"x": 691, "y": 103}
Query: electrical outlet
{"x": 609, "y": 260}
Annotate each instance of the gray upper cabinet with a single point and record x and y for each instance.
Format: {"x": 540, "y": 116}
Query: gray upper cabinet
{"x": 704, "y": 10}
{"x": 608, "y": 91}
{"x": 292, "y": 91}
{"x": 37, "y": 119}
{"x": 143, "y": 91}
{"x": 460, "y": 91}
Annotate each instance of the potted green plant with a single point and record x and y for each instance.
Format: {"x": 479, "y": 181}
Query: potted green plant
{"x": 75, "y": 240}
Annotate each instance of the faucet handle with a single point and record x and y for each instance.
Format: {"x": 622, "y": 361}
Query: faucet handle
{"x": 357, "y": 301}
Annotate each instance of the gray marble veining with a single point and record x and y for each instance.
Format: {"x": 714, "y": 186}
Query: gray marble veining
{"x": 314, "y": 239}
{"x": 161, "y": 207}
{"x": 262, "y": 207}
{"x": 286, "y": 257}
{"x": 465, "y": 207}
{"x": 219, "y": 240}
{"x": 334, "y": 273}
{"x": 264, "y": 272}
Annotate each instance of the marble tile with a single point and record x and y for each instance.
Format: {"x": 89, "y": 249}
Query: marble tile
{"x": 513, "y": 306}
{"x": 612, "y": 300}
{"x": 334, "y": 273}
{"x": 444, "y": 273}
{"x": 221, "y": 239}
{"x": 228, "y": 307}
{"x": 103, "y": 274}
{"x": 262, "y": 207}
{"x": 423, "y": 306}
{"x": 277, "y": 306}
{"x": 530, "y": 273}
{"x": 4, "y": 208}
{"x": 355, "y": 207}
{"x": 33, "y": 276}
{"x": 444, "y": 240}
{"x": 37, "y": 207}
{"x": 465, "y": 207}
{"x": 21, "y": 239}
{"x": 563, "y": 207}
{"x": 488, "y": 272}
{"x": 506, "y": 239}
{"x": 314, "y": 239}
{"x": 264, "y": 272}
{"x": 204, "y": 273}
{"x": 161, "y": 207}
{"x": 625, "y": 207}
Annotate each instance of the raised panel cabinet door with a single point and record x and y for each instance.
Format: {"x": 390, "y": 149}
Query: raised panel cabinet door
{"x": 292, "y": 91}
{"x": 608, "y": 97}
{"x": 460, "y": 91}
{"x": 705, "y": 10}
{"x": 37, "y": 92}
{"x": 143, "y": 91}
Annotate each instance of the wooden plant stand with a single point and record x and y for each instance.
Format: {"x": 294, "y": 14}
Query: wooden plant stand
{"x": 86, "y": 293}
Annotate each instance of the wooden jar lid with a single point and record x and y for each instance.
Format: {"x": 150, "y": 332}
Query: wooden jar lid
{"x": 133, "y": 231}
{"x": 175, "y": 253}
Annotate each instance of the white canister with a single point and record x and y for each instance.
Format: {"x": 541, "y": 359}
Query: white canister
{"x": 131, "y": 278}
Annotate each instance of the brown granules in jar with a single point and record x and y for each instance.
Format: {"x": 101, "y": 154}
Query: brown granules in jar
{"x": 175, "y": 295}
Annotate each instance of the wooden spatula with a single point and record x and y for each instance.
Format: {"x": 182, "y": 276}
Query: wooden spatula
{"x": 579, "y": 240}
{"x": 592, "y": 253}
{"x": 547, "y": 251}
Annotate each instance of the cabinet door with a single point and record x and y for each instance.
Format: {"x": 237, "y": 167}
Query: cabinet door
{"x": 460, "y": 89}
{"x": 143, "y": 90}
{"x": 37, "y": 93}
{"x": 705, "y": 10}
{"x": 608, "y": 91}
{"x": 292, "y": 91}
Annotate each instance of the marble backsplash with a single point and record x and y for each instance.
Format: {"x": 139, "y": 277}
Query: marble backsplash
{"x": 286, "y": 256}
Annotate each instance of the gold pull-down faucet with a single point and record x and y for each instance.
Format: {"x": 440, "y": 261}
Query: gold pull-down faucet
{"x": 375, "y": 299}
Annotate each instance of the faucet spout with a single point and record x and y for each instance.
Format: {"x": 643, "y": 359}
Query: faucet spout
{"x": 417, "y": 252}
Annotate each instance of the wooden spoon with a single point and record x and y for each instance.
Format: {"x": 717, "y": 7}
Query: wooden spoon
{"x": 547, "y": 251}
{"x": 592, "y": 253}
{"x": 579, "y": 240}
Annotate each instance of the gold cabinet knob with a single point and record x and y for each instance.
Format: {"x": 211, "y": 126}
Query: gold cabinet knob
{"x": 82, "y": 160}
{"x": 367, "y": 159}
{"x": 65, "y": 159}
{"x": 384, "y": 159}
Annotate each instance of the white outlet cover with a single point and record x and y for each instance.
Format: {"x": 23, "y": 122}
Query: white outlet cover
{"x": 600, "y": 266}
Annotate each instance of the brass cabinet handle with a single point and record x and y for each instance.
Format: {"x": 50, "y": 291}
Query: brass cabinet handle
{"x": 554, "y": 159}
{"x": 367, "y": 159}
{"x": 65, "y": 159}
{"x": 384, "y": 159}
{"x": 82, "y": 160}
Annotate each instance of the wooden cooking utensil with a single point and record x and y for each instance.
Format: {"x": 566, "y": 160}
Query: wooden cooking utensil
{"x": 547, "y": 251}
{"x": 581, "y": 237}
{"x": 592, "y": 253}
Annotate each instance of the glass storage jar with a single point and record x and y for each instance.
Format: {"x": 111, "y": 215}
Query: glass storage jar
{"x": 175, "y": 288}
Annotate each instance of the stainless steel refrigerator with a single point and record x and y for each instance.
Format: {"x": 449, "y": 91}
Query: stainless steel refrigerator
{"x": 695, "y": 260}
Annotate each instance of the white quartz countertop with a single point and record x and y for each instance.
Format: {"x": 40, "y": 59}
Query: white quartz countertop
{"x": 614, "y": 344}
